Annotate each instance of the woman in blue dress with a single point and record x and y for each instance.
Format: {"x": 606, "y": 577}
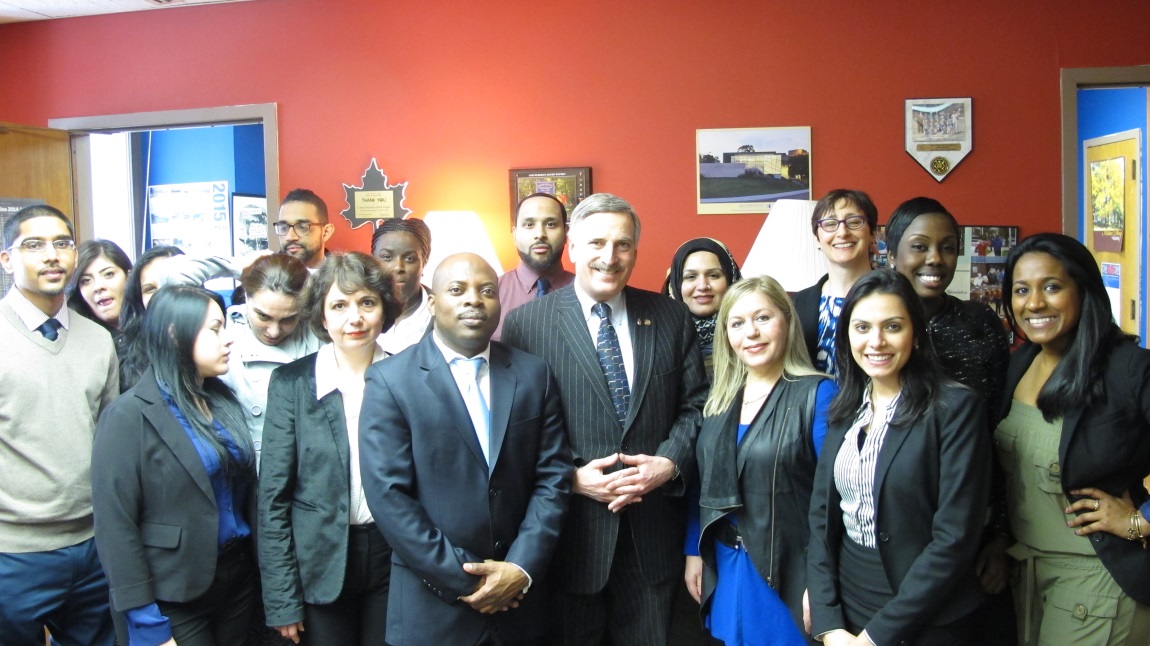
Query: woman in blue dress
{"x": 762, "y": 430}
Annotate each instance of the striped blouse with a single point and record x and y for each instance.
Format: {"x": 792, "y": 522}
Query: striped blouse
{"x": 855, "y": 470}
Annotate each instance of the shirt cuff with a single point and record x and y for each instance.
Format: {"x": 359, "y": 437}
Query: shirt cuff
{"x": 869, "y": 640}
{"x": 147, "y": 626}
{"x": 529, "y": 580}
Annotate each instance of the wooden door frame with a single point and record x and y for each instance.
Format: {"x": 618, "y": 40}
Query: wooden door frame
{"x": 264, "y": 114}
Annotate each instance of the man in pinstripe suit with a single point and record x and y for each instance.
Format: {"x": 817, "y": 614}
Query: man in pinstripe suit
{"x": 620, "y": 552}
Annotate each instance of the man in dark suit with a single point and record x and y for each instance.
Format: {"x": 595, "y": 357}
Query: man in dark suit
{"x": 631, "y": 377}
{"x": 467, "y": 472}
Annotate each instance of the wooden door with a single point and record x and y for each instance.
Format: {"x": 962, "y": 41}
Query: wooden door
{"x": 36, "y": 163}
{"x": 1113, "y": 222}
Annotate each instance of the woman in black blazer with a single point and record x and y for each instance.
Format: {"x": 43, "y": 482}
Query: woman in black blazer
{"x": 325, "y": 565}
{"x": 901, "y": 488}
{"x": 1075, "y": 444}
{"x": 173, "y": 482}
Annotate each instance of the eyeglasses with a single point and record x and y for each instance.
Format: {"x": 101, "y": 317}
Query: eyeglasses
{"x": 301, "y": 228}
{"x": 853, "y": 223}
{"x": 36, "y": 245}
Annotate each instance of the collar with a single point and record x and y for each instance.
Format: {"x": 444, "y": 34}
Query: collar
{"x": 618, "y": 305}
{"x": 527, "y": 277}
{"x": 327, "y": 370}
{"x": 32, "y": 316}
{"x": 449, "y": 354}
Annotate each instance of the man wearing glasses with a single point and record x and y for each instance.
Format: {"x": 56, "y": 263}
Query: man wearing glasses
{"x": 58, "y": 372}
{"x": 303, "y": 227}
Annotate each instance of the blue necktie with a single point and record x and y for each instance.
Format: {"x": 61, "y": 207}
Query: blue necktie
{"x": 611, "y": 361}
{"x": 476, "y": 405}
{"x": 542, "y": 286}
{"x": 50, "y": 329}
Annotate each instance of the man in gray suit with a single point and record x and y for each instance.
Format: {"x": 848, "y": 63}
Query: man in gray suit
{"x": 467, "y": 472}
{"x": 630, "y": 373}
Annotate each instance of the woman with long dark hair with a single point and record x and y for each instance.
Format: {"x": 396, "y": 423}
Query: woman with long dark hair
{"x": 844, "y": 223}
{"x": 1075, "y": 445}
{"x": 972, "y": 348}
{"x": 96, "y": 291}
{"x": 173, "y": 484}
{"x": 325, "y": 565}
{"x": 763, "y": 428}
{"x": 143, "y": 282}
{"x": 702, "y": 270}
{"x": 901, "y": 489}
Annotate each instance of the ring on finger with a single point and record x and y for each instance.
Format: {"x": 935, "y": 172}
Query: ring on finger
{"x": 1097, "y": 504}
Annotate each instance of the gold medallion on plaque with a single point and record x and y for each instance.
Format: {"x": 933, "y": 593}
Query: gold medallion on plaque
{"x": 940, "y": 165}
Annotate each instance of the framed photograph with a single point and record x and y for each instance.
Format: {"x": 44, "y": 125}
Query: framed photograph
{"x": 568, "y": 185}
{"x": 249, "y": 223}
{"x": 939, "y": 133}
{"x": 744, "y": 170}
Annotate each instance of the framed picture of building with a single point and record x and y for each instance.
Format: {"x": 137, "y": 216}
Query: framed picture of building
{"x": 744, "y": 170}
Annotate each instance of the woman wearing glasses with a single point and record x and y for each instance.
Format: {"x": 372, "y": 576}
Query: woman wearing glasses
{"x": 844, "y": 222}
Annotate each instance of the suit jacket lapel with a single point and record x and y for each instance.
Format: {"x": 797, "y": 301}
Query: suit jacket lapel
{"x": 332, "y": 404}
{"x": 895, "y": 436}
{"x": 762, "y": 419}
{"x": 174, "y": 435}
{"x": 438, "y": 378}
{"x": 643, "y": 334}
{"x": 503, "y": 384}
{"x": 575, "y": 335}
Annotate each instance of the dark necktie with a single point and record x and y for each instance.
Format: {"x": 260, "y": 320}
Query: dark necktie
{"x": 50, "y": 329}
{"x": 542, "y": 286}
{"x": 611, "y": 361}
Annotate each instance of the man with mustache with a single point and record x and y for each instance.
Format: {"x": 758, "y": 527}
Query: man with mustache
{"x": 631, "y": 377}
{"x": 540, "y": 231}
{"x": 58, "y": 373}
{"x": 303, "y": 227}
{"x": 467, "y": 472}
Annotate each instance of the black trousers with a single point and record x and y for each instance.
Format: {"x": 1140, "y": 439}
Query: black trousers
{"x": 222, "y": 615}
{"x": 359, "y": 615}
{"x": 627, "y": 612}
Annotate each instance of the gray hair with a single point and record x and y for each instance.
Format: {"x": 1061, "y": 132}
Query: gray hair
{"x": 604, "y": 203}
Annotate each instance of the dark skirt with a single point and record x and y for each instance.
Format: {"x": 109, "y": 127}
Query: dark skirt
{"x": 862, "y": 583}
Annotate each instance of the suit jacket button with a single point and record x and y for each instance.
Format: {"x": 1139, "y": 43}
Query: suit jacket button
{"x": 883, "y": 537}
{"x": 493, "y": 492}
{"x": 499, "y": 545}
{"x": 626, "y": 448}
{"x": 344, "y": 508}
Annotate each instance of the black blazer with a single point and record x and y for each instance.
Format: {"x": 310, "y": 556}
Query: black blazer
{"x": 1106, "y": 446}
{"x": 303, "y": 494}
{"x": 155, "y": 513}
{"x": 667, "y": 398}
{"x": 433, "y": 497}
{"x": 931, "y": 489}
{"x": 807, "y": 307}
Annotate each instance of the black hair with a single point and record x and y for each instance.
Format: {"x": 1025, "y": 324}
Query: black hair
{"x": 416, "y": 227}
{"x": 351, "y": 271}
{"x": 1077, "y": 379}
{"x": 518, "y": 207}
{"x": 87, "y": 253}
{"x": 134, "y": 361}
{"x": 906, "y": 213}
{"x": 859, "y": 199}
{"x": 174, "y": 320}
{"x": 308, "y": 196}
{"x": 12, "y": 226}
{"x": 920, "y": 379}
{"x": 279, "y": 273}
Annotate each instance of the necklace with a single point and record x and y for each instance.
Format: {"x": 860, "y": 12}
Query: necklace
{"x": 756, "y": 399}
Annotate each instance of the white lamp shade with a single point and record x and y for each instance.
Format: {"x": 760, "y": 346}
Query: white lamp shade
{"x": 785, "y": 248}
{"x": 455, "y": 232}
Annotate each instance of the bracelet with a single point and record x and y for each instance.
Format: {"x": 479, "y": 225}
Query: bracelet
{"x": 1134, "y": 533}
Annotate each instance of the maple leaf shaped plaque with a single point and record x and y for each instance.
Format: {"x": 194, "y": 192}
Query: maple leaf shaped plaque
{"x": 374, "y": 199}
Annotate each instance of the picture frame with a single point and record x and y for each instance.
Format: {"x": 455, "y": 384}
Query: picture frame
{"x": 249, "y": 223}
{"x": 939, "y": 133}
{"x": 569, "y": 185}
{"x": 745, "y": 170}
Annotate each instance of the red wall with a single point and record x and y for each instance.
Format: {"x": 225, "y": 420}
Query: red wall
{"x": 450, "y": 95}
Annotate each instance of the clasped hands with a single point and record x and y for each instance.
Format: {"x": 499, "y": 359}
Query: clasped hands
{"x": 500, "y": 586}
{"x": 618, "y": 489}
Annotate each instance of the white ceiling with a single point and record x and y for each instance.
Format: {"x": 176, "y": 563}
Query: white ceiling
{"x": 24, "y": 10}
